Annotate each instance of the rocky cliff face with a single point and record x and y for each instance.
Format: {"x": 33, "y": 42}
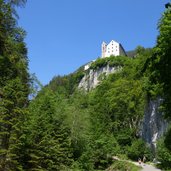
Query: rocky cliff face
{"x": 92, "y": 78}
{"x": 154, "y": 125}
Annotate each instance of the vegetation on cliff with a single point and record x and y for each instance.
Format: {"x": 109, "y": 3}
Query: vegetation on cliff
{"x": 84, "y": 130}
{"x": 63, "y": 128}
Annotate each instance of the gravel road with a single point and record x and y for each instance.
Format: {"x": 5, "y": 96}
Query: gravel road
{"x": 147, "y": 167}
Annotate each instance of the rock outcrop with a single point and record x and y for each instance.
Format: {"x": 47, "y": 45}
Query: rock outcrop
{"x": 154, "y": 125}
{"x": 93, "y": 77}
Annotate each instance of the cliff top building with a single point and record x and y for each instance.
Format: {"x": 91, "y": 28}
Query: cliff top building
{"x": 113, "y": 48}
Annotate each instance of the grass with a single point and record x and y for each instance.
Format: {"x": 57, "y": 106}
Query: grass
{"x": 123, "y": 166}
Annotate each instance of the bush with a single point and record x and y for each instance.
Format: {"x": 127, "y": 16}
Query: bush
{"x": 99, "y": 153}
{"x": 163, "y": 154}
{"x": 100, "y": 62}
{"x": 167, "y": 140}
{"x": 138, "y": 149}
{"x": 112, "y": 61}
{"x": 123, "y": 166}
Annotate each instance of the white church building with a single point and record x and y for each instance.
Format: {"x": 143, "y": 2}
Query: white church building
{"x": 112, "y": 49}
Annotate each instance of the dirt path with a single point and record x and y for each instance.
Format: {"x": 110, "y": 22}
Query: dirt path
{"x": 146, "y": 167}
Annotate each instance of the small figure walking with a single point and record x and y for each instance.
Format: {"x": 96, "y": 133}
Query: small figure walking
{"x": 139, "y": 160}
{"x": 144, "y": 159}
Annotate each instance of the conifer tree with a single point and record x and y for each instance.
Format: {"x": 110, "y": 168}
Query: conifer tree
{"x": 49, "y": 137}
{"x": 14, "y": 88}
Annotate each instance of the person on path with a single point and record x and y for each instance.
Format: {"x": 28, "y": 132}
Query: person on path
{"x": 139, "y": 160}
{"x": 144, "y": 159}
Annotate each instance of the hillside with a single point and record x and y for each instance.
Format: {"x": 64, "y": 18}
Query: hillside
{"x": 117, "y": 111}
{"x": 121, "y": 115}
{"x": 106, "y": 120}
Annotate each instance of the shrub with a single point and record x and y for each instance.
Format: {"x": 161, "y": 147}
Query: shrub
{"x": 163, "y": 154}
{"x": 138, "y": 149}
{"x": 123, "y": 166}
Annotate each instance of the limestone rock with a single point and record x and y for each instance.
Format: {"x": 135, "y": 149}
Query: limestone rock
{"x": 154, "y": 125}
{"x": 92, "y": 78}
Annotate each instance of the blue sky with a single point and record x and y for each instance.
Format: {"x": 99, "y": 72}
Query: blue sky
{"x": 62, "y": 35}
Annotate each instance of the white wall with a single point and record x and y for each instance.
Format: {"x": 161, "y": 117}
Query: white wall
{"x": 86, "y": 67}
{"x": 113, "y": 48}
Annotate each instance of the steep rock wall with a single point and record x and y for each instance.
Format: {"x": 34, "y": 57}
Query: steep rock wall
{"x": 93, "y": 77}
{"x": 154, "y": 125}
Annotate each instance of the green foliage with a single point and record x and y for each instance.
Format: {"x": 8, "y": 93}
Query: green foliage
{"x": 78, "y": 121}
{"x": 100, "y": 62}
{"x": 112, "y": 61}
{"x": 67, "y": 84}
{"x": 66, "y": 129}
{"x": 159, "y": 65}
{"x": 138, "y": 149}
{"x": 163, "y": 50}
{"x": 56, "y": 128}
{"x": 99, "y": 152}
{"x": 158, "y": 70}
{"x": 50, "y": 145}
{"x": 123, "y": 165}
{"x": 168, "y": 139}
{"x": 118, "y": 109}
{"x": 14, "y": 89}
{"x": 163, "y": 155}
{"x": 118, "y": 61}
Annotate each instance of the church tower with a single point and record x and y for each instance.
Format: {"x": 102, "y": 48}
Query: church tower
{"x": 104, "y": 46}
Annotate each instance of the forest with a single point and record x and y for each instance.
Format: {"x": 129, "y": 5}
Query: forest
{"x": 59, "y": 127}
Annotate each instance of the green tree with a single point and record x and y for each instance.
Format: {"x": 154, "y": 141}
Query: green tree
{"x": 158, "y": 67}
{"x": 163, "y": 154}
{"x": 160, "y": 64}
{"x": 48, "y": 137}
{"x": 14, "y": 88}
{"x": 138, "y": 149}
{"x": 77, "y": 112}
